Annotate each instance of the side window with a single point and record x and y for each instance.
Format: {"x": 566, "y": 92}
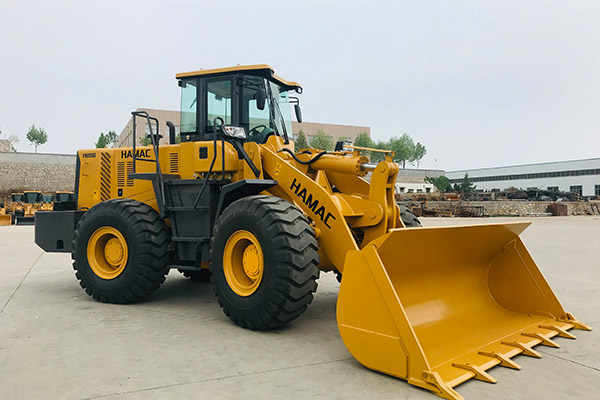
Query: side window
{"x": 188, "y": 107}
{"x": 218, "y": 102}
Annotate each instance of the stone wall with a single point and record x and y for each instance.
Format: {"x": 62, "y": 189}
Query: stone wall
{"x": 513, "y": 207}
{"x": 417, "y": 175}
{"x": 30, "y": 171}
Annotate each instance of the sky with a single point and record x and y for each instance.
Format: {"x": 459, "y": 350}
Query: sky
{"x": 479, "y": 83}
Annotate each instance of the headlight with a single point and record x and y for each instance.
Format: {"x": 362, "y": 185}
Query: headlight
{"x": 236, "y": 132}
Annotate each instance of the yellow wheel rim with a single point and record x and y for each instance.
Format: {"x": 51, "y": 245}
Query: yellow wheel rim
{"x": 107, "y": 252}
{"x": 243, "y": 263}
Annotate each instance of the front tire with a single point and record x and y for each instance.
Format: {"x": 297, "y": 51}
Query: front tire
{"x": 263, "y": 262}
{"x": 120, "y": 251}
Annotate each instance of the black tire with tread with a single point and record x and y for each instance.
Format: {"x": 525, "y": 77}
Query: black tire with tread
{"x": 409, "y": 219}
{"x": 290, "y": 262}
{"x": 147, "y": 240}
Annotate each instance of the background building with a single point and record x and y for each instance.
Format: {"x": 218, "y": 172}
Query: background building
{"x": 309, "y": 128}
{"x": 126, "y": 136}
{"x": 415, "y": 180}
{"x": 577, "y": 176}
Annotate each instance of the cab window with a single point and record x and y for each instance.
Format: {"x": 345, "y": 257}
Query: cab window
{"x": 188, "y": 107}
{"x": 218, "y": 102}
{"x": 253, "y": 119}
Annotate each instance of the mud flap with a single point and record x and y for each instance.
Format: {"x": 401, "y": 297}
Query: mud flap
{"x": 439, "y": 306}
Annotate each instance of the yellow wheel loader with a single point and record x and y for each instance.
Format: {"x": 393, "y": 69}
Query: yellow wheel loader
{"x": 32, "y": 202}
{"x": 63, "y": 200}
{"x": 234, "y": 202}
{"x": 16, "y": 206}
{"x": 5, "y": 219}
{"x": 47, "y": 203}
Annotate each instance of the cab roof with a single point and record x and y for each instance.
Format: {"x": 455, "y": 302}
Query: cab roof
{"x": 258, "y": 69}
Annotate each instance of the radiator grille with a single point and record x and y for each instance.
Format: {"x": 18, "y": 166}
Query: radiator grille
{"x": 104, "y": 176}
{"x": 174, "y": 159}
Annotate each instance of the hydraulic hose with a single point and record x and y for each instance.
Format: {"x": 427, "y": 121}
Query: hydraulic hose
{"x": 312, "y": 160}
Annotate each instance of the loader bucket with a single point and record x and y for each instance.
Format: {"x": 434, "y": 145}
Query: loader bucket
{"x": 5, "y": 219}
{"x": 438, "y": 306}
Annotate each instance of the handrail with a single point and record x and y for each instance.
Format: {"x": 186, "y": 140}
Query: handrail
{"x": 155, "y": 145}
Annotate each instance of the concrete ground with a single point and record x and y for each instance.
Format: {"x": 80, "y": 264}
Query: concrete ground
{"x": 57, "y": 343}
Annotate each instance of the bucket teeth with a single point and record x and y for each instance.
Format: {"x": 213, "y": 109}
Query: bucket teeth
{"x": 441, "y": 388}
{"x": 504, "y": 360}
{"x": 527, "y": 350}
{"x": 479, "y": 372}
{"x": 576, "y": 323}
{"x": 561, "y": 332}
{"x": 545, "y": 341}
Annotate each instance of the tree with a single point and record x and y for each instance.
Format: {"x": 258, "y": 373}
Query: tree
{"x": 111, "y": 137}
{"x": 145, "y": 140}
{"x": 106, "y": 140}
{"x": 442, "y": 183}
{"x": 13, "y": 141}
{"x": 301, "y": 142}
{"x": 363, "y": 140}
{"x": 377, "y": 156}
{"x": 466, "y": 186}
{"x": 321, "y": 141}
{"x": 36, "y": 136}
{"x": 419, "y": 153}
{"x": 404, "y": 147}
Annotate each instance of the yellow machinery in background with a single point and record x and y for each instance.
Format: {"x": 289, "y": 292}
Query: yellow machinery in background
{"x": 234, "y": 203}
{"x": 16, "y": 204}
{"x": 47, "y": 202}
{"x": 63, "y": 200}
{"x": 5, "y": 219}
{"x": 32, "y": 202}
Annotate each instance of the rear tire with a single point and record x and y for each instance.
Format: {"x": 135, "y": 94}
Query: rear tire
{"x": 263, "y": 262}
{"x": 120, "y": 251}
{"x": 409, "y": 219}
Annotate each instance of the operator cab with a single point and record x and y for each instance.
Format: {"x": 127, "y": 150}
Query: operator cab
{"x": 251, "y": 97}
{"x": 32, "y": 197}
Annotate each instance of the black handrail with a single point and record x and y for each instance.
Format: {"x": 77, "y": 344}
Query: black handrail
{"x": 155, "y": 145}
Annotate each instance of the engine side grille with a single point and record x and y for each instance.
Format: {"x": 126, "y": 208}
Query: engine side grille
{"x": 129, "y": 171}
{"x": 121, "y": 174}
{"x": 174, "y": 161}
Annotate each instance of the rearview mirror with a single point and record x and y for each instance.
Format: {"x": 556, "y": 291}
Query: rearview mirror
{"x": 298, "y": 112}
{"x": 261, "y": 96}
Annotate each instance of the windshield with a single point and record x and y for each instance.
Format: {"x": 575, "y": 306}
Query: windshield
{"x": 47, "y": 198}
{"x": 63, "y": 196}
{"x": 32, "y": 197}
{"x": 17, "y": 198}
{"x": 273, "y": 119}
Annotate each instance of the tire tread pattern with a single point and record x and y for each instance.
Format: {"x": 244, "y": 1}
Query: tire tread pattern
{"x": 295, "y": 260}
{"x": 152, "y": 261}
